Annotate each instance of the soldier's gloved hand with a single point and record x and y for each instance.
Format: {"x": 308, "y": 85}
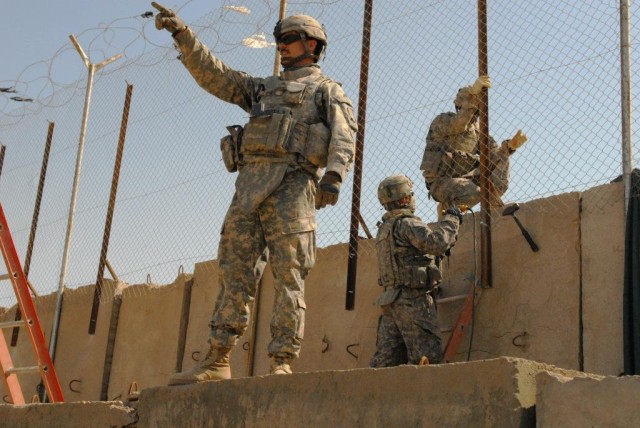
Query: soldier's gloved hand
{"x": 517, "y": 140}
{"x": 168, "y": 20}
{"x": 456, "y": 212}
{"x": 481, "y": 82}
{"x": 328, "y": 189}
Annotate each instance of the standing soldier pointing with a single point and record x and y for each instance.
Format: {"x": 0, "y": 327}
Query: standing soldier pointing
{"x": 300, "y": 123}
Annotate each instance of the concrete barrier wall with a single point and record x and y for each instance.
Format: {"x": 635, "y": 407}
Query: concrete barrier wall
{"x": 554, "y": 306}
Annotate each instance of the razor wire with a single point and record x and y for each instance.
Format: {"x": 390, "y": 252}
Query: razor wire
{"x": 555, "y": 70}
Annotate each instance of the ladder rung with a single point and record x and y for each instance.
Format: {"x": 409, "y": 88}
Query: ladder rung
{"x": 5, "y": 276}
{"x": 17, "y": 370}
{"x": 452, "y": 298}
{"x": 11, "y": 324}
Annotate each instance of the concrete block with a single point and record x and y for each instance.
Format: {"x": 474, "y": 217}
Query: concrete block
{"x": 492, "y": 393}
{"x": 586, "y": 401}
{"x": 603, "y": 248}
{"x": 68, "y": 415}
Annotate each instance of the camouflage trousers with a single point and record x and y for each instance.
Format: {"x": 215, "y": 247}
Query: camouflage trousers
{"x": 281, "y": 229}
{"x": 408, "y": 330}
{"x": 465, "y": 190}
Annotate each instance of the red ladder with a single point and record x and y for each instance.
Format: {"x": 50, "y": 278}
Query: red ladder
{"x": 30, "y": 321}
{"x": 462, "y": 323}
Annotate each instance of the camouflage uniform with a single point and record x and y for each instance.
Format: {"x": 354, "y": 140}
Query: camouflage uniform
{"x": 408, "y": 327}
{"x": 451, "y": 160}
{"x": 273, "y": 210}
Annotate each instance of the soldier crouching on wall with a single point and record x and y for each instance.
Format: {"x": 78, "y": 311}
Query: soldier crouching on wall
{"x": 451, "y": 160}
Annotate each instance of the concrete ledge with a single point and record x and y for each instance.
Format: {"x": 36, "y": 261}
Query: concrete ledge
{"x": 490, "y": 393}
{"x": 587, "y": 401}
{"x": 80, "y": 414}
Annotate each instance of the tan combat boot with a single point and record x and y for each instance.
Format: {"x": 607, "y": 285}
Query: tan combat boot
{"x": 280, "y": 365}
{"x": 215, "y": 366}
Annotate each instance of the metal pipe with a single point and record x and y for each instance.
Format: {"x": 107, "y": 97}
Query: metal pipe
{"x": 34, "y": 220}
{"x": 110, "y": 209}
{"x": 625, "y": 99}
{"x": 357, "y": 181}
{"x": 485, "y": 182}
{"x": 352, "y": 266}
{"x": 92, "y": 68}
{"x": 281, "y": 15}
{"x": 3, "y": 149}
{"x": 111, "y": 344}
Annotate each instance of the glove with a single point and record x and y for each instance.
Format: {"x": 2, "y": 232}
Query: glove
{"x": 168, "y": 20}
{"x": 456, "y": 212}
{"x": 481, "y": 82}
{"x": 328, "y": 190}
{"x": 517, "y": 140}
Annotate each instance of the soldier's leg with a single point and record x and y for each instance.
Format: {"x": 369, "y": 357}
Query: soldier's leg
{"x": 288, "y": 217}
{"x": 455, "y": 191}
{"x": 242, "y": 257}
{"x": 499, "y": 171}
{"x": 390, "y": 347}
{"x": 417, "y": 320}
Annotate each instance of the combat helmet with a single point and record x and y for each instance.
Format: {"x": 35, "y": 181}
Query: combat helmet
{"x": 306, "y": 26}
{"x": 394, "y": 188}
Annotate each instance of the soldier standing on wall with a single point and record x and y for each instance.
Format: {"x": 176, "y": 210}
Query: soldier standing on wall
{"x": 451, "y": 160}
{"x": 301, "y": 123}
{"x": 407, "y": 248}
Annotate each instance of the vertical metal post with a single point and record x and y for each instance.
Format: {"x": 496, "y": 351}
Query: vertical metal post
{"x": 625, "y": 98}
{"x": 34, "y": 220}
{"x": 485, "y": 182}
{"x": 110, "y": 209}
{"x": 3, "y": 149}
{"x": 92, "y": 68}
{"x": 281, "y": 15}
{"x": 352, "y": 267}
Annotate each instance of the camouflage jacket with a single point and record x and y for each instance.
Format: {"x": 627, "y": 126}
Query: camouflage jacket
{"x": 452, "y": 144}
{"x": 406, "y": 245}
{"x": 244, "y": 90}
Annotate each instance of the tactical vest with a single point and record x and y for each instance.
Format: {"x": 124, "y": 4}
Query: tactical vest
{"x": 287, "y": 123}
{"x": 401, "y": 266}
{"x": 451, "y": 156}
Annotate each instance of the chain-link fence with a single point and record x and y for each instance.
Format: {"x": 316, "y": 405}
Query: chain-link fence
{"x": 555, "y": 68}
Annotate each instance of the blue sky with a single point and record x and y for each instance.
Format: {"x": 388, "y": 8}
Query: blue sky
{"x": 36, "y": 30}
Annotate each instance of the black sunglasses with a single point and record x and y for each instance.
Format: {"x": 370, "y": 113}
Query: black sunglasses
{"x": 287, "y": 39}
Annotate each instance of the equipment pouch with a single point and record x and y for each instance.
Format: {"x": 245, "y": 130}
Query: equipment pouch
{"x": 267, "y": 134}
{"x": 295, "y": 93}
{"x": 419, "y": 277}
{"x": 317, "y": 146}
{"x": 388, "y": 297}
{"x": 457, "y": 163}
{"x": 230, "y": 147}
{"x": 430, "y": 163}
{"x": 435, "y": 275}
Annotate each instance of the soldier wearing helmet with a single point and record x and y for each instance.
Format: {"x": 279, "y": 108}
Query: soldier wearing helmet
{"x": 304, "y": 28}
{"x": 291, "y": 158}
{"x": 408, "y": 253}
{"x": 451, "y": 160}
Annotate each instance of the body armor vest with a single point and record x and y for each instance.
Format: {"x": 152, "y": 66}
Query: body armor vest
{"x": 401, "y": 266}
{"x": 453, "y": 155}
{"x": 287, "y": 121}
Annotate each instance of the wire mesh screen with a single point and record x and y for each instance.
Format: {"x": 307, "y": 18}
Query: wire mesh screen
{"x": 555, "y": 69}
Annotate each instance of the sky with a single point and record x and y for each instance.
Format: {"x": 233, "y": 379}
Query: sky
{"x": 38, "y": 29}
